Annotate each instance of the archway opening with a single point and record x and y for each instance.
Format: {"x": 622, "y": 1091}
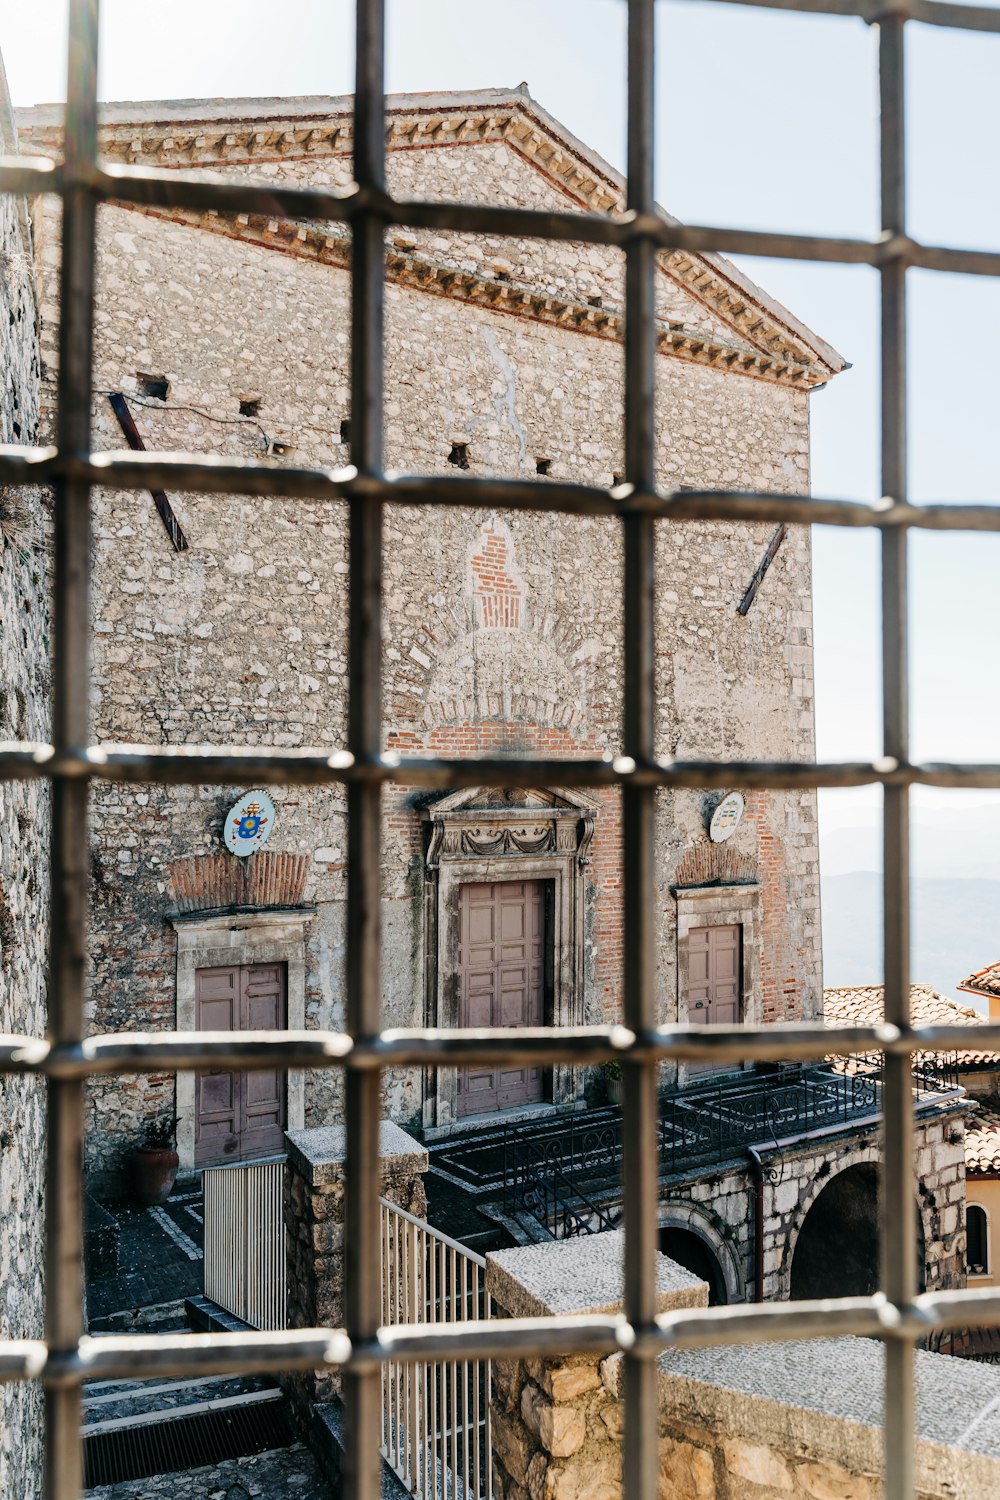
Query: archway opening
{"x": 690, "y": 1251}
{"x": 837, "y": 1251}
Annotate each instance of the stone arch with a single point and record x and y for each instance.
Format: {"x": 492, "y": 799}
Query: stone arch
{"x": 728, "y": 1283}
{"x": 832, "y": 1249}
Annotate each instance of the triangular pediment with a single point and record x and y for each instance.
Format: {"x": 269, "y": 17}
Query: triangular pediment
{"x": 513, "y": 799}
{"x": 710, "y": 313}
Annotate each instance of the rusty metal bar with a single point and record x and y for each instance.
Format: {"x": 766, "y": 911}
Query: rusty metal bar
{"x": 641, "y": 1094}
{"x": 70, "y": 863}
{"x": 898, "y": 1183}
{"x": 362, "y": 1229}
{"x": 142, "y": 1052}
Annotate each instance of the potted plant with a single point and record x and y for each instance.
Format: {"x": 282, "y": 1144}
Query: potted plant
{"x": 613, "y": 1081}
{"x": 154, "y": 1163}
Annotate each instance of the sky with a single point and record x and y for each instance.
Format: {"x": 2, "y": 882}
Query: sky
{"x": 766, "y": 120}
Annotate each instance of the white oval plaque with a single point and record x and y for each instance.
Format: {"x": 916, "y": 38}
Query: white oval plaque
{"x": 727, "y": 817}
{"x": 249, "y": 823}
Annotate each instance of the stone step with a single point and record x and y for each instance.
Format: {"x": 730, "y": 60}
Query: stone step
{"x": 114, "y": 1401}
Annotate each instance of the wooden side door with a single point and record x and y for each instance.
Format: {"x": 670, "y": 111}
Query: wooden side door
{"x": 502, "y": 966}
{"x": 715, "y": 975}
{"x": 240, "y": 1115}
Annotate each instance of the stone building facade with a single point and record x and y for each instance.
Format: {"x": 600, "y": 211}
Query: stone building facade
{"x": 229, "y": 334}
{"x": 23, "y": 836}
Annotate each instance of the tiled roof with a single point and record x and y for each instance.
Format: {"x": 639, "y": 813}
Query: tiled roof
{"x": 864, "y": 1005}
{"x": 984, "y": 982}
{"x": 982, "y": 1141}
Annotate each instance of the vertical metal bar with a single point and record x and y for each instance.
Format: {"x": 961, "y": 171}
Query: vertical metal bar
{"x": 364, "y": 999}
{"x": 639, "y": 804}
{"x": 70, "y": 691}
{"x": 453, "y": 1372}
{"x": 898, "y": 1255}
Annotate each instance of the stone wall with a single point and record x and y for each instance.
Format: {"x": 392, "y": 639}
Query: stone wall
{"x": 314, "y": 1232}
{"x": 24, "y": 833}
{"x": 242, "y": 638}
{"x": 719, "y": 1206}
{"x": 557, "y": 1427}
{"x": 758, "y": 1422}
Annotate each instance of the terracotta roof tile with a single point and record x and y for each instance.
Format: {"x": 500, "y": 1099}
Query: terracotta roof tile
{"x": 864, "y": 1005}
{"x": 982, "y": 1141}
{"x": 984, "y": 981}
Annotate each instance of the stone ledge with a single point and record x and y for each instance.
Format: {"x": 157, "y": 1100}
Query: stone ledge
{"x": 582, "y": 1275}
{"x": 320, "y": 1155}
{"x": 822, "y": 1398}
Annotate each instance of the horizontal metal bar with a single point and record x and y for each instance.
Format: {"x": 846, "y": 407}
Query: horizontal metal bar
{"x": 207, "y": 474}
{"x": 137, "y": 1357}
{"x": 206, "y": 765}
{"x": 927, "y": 12}
{"x": 186, "y": 1051}
{"x": 157, "y": 187}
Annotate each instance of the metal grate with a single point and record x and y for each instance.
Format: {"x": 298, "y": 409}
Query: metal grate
{"x": 897, "y": 1315}
{"x": 137, "y": 1451}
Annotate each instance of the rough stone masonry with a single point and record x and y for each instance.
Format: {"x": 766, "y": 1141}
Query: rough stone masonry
{"x": 24, "y": 815}
{"x": 229, "y": 335}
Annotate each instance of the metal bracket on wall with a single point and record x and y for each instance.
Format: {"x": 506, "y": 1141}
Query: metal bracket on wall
{"x": 133, "y": 437}
{"x": 758, "y": 578}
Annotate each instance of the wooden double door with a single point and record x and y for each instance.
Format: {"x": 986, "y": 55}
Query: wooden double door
{"x": 239, "y": 1116}
{"x": 503, "y": 963}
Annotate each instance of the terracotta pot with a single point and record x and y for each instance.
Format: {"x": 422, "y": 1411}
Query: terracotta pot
{"x": 153, "y": 1170}
{"x": 614, "y": 1087}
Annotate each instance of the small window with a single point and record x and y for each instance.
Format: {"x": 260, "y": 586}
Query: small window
{"x": 345, "y": 431}
{"x": 459, "y": 455}
{"x": 250, "y": 406}
{"x": 155, "y": 386}
{"x": 977, "y": 1248}
{"x": 542, "y": 465}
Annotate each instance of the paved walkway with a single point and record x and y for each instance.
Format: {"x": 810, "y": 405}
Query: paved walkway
{"x": 292, "y": 1472}
{"x": 159, "y": 1258}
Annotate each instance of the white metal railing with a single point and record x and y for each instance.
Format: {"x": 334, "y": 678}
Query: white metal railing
{"x": 245, "y": 1240}
{"x": 435, "y": 1417}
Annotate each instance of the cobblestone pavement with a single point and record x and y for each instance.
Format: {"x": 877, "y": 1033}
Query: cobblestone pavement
{"x": 289, "y": 1472}
{"x": 158, "y": 1259}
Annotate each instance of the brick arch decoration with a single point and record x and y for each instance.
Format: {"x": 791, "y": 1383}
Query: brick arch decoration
{"x": 216, "y": 882}
{"x": 705, "y": 1224}
{"x": 715, "y": 864}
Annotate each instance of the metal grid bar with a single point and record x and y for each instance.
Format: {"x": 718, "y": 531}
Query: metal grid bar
{"x": 898, "y": 1316}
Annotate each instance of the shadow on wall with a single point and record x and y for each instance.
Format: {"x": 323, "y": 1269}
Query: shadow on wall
{"x": 837, "y": 1251}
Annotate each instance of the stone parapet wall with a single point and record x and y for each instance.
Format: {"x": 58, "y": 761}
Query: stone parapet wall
{"x": 314, "y": 1232}
{"x": 793, "y": 1421}
{"x": 557, "y": 1425}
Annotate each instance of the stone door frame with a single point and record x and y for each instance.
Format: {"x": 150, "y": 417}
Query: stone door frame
{"x": 475, "y": 837}
{"x": 221, "y": 941}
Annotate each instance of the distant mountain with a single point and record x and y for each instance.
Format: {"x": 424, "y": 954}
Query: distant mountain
{"x": 955, "y": 929}
{"x": 963, "y": 843}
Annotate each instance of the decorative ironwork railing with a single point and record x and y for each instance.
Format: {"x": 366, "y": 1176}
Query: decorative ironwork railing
{"x": 244, "y": 1266}
{"x": 435, "y": 1416}
{"x": 568, "y": 1175}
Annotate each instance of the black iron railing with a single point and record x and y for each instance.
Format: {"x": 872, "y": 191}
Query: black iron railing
{"x": 568, "y": 1174}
